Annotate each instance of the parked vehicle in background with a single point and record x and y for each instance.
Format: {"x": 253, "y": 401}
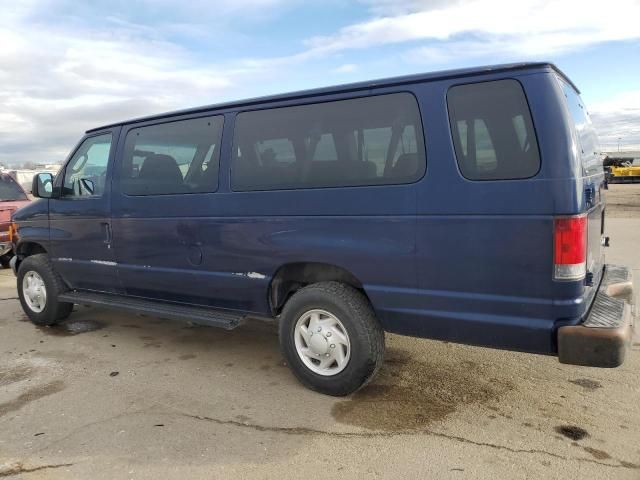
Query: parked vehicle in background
{"x": 462, "y": 205}
{"x": 12, "y": 197}
{"x": 25, "y": 177}
{"x": 624, "y": 172}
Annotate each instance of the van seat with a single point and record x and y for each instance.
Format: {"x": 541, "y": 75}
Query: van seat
{"x": 332, "y": 171}
{"x": 161, "y": 168}
{"x": 405, "y": 166}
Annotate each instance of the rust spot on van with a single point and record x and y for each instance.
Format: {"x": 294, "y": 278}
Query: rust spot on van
{"x": 408, "y": 394}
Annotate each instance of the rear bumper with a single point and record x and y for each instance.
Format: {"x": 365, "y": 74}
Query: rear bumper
{"x": 603, "y": 339}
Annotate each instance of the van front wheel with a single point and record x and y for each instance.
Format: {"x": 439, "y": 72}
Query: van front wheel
{"x": 38, "y": 288}
{"x": 331, "y": 338}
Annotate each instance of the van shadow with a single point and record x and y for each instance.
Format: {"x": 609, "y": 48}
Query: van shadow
{"x": 407, "y": 395}
{"x": 146, "y": 339}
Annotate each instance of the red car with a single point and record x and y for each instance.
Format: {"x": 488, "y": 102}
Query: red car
{"x": 12, "y": 197}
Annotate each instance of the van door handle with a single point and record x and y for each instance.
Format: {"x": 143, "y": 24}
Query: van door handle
{"x": 107, "y": 232}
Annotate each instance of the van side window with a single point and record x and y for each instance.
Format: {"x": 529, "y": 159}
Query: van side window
{"x": 492, "y": 131}
{"x": 174, "y": 157}
{"x": 363, "y": 141}
{"x": 86, "y": 172}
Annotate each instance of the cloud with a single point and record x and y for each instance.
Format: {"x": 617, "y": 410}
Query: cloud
{"x": 346, "y": 68}
{"x": 66, "y": 66}
{"x": 618, "y": 119}
{"x": 400, "y": 7}
{"x": 55, "y": 82}
{"x": 526, "y": 26}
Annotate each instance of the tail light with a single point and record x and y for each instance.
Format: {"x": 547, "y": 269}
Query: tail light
{"x": 569, "y": 248}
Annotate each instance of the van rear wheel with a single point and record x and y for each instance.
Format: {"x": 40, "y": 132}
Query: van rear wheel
{"x": 38, "y": 288}
{"x": 331, "y": 338}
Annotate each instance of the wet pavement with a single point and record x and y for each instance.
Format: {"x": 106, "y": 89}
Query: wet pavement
{"x": 112, "y": 395}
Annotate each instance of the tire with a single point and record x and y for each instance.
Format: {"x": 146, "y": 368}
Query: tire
{"x": 330, "y": 301}
{"x": 5, "y": 259}
{"x": 51, "y": 311}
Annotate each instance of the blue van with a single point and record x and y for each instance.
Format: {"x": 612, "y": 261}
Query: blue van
{"x": 463, "y": 205}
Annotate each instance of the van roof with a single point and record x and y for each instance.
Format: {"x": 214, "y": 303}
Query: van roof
{"x": 385, "y": 82}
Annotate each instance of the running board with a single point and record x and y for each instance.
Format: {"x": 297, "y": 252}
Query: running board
{"x": 200, "y": 315}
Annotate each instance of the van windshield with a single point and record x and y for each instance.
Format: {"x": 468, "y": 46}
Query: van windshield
{"x": 588, "y": 146}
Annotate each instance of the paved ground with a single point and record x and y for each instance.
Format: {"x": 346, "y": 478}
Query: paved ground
{"x": 109, "y": 395}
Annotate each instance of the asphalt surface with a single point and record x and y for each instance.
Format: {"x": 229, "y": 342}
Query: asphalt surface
{"x": 111, "y": 395}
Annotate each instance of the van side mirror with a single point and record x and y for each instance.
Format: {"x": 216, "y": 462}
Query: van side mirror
{"x": 42, "y": 185}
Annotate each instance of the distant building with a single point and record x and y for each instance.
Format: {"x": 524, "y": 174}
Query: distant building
{"x": 41, "y": 167}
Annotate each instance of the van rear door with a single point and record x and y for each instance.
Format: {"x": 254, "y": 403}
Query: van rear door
{"x": 588, "y": 154}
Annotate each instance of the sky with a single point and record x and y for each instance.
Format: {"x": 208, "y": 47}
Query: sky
{"x": 67, "y": 66}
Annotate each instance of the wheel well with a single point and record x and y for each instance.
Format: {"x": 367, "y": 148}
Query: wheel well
{"x": 293, "y": 276}
{"x": 26, "y": 249}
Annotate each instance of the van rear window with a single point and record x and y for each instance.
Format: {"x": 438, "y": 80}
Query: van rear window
{"x": 492, "y": 131}
{"x": 363, "y": 141}
{"x": 588, "y": 144}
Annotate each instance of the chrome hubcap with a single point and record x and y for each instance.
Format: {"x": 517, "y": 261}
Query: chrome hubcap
{"x": 35, "y": 292}
{"x": 322, "y": 342}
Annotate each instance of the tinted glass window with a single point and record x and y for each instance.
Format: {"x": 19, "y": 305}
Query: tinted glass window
{"x": 86, "y": 172}
{"x": 588, "y": 144}
{"x": 10, "y": 190}
{"x": 175, "y": 157}
{"x": 365, "y": 141}
{"x": 492, "y": 131}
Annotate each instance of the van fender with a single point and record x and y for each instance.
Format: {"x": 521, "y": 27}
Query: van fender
{"x": 291, "y": 277}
